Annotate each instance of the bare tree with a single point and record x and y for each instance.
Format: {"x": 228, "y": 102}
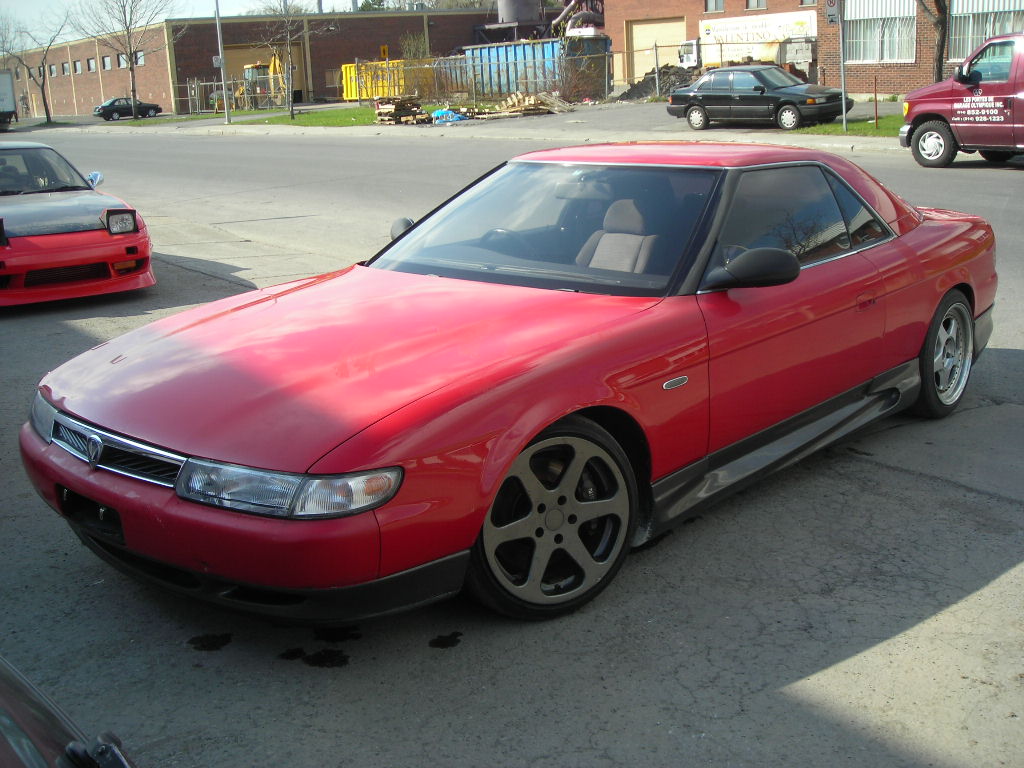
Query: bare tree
{"x": 16, "y": 40}
{"x": 939, "y": 19}
{"x": 123, "y": 26}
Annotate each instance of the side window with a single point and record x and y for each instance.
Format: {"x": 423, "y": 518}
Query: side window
{"x": 720, "y": 81}
{"x": 863, "y": 226}
{"x": 791, "y": 208}
{"x": 744, "y": 81}
{"x": 993, "y": 64}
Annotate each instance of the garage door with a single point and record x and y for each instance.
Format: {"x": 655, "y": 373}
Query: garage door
{"x": 643, "y": 36}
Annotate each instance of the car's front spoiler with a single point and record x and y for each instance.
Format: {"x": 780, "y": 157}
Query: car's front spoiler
{"x": 415, "y": 587}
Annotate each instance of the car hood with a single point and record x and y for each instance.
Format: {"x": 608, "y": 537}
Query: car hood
{"x": 52, "y": 213}
{"x": 810, "y": 89}
{"x": 277, "y": 378}
{"x": 934, "y": 91}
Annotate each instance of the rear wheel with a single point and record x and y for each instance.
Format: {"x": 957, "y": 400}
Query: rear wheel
{"x": 995, "y": 156}
{"x": 697, "y": 117}
{"x": 788, "y": 118}
{"x": 560, "y": 524}
{"x": 115, "y": 115}
{"x": 946, "y": 357}
{"x": 933, "y": 144}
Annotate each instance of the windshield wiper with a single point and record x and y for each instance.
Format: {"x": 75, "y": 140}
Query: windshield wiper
{"x": 65, "y": 188}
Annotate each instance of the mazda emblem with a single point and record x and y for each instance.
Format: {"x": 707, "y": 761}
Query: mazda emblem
{"x": 94, "y": 448}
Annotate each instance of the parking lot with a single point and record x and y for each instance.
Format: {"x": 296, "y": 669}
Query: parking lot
{"x": 861, "y": 608}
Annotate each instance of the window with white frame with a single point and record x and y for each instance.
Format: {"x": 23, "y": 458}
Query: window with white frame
{"x": 53, "y": 70}
{"x": 77, "y": 66}
{"x": 714, "y": 6}
{"x": 756, "y": 5}
{"x": 880, "y": 30}
{"x": 122, "y": 61}
{"x": 90, "y": 64}
{"x": 972, "y": 22}
{"x": 106, "y": 62}
{"x": 140, "y": 58}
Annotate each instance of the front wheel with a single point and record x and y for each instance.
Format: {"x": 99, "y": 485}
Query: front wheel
{"x": 150, "y": 113}
{"x": 560, "y": 524}
{"x": 697, "y": 117}
{"x": 788, "y": 118}
{"x": 946, "y": 357}
{"x": 933, "y": 144}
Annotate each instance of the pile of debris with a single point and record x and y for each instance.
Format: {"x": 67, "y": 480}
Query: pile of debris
{"x": 668, "y": 78}
{"x": 400, "y": 110}
{"x": 520, "y": 105}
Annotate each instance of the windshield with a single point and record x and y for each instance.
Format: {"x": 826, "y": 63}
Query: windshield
{"x": 37, "y": 169}
{"x": 622, "y": 230}
{"x": 779, "y": 78}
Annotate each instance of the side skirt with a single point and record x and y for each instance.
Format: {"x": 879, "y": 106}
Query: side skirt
{"x": 736, "y": 466}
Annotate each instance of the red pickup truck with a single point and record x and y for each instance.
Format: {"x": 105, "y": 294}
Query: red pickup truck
{"x": 979, "y": 109}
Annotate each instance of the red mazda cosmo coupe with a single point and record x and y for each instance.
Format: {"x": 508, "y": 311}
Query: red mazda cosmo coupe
{"x": 59, "y": 237}
{"x": 553, "y": 367}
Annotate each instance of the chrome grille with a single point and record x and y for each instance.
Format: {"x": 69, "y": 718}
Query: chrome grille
{"x": 114, "y": 453}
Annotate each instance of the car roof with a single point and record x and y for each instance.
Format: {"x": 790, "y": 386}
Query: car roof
{"x": 23, "y": 145}
{"x": 684, "y": 153}
{"x": 744, "y": 68}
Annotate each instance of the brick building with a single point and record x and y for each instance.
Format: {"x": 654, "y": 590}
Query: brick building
{"x": 891, "y": 40}
{"x": 83, "y": 73}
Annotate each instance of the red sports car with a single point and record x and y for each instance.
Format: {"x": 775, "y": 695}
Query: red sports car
{"x": 556, "y": 365}
{"x": 59, "y": 237}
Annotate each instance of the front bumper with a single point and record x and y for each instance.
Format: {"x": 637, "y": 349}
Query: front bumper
{"x": 827, "y": 111}
{"x": 74, "y": 264}
{"x": 905, "y": 131}
{"x": 311, "y": 571}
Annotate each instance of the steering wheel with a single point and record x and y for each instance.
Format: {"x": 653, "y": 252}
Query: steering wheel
{"x": 508, "y": 242}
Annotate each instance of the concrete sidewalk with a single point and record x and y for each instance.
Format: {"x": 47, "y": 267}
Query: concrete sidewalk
{"x": 616, "y": 121}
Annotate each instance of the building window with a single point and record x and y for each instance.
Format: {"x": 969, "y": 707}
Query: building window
{"x": 122, "y": 61}
{"x": 808, "y": 2}
{"x": 53, "y": 70}
{"x": 77, "y": 66}
{"x": 90, "y": 64}
{"x": 65, "y": 68}
{"x": 106, "y": 62}
{"x": 971, "y": 24}
{"x": 872, "y": 38}
{"x": 757, "y": 5}
{"x": 39, "y": 72}
{"x": 140, "y": 58}
{"x": 17, "y": 73}
{"x": 714, "y": 6}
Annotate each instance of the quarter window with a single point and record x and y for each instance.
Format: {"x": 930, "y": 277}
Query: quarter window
{"x": 863, "y": 226}
{"x": 791, "y": 208}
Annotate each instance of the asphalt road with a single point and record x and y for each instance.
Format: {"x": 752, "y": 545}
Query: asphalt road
{"x": 860, "y": 609}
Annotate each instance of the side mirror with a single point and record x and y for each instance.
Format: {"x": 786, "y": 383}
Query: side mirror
{"x": 759, "y": 89}
{"x": 754, "y": 268}
{"x": 399, "y": 226}
{"x": 95, "y": 179}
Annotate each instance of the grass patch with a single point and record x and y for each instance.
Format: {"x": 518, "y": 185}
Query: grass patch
{"x": 888, "y": 127}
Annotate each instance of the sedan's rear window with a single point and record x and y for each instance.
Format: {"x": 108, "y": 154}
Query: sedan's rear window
{"x": 622, "y": 230}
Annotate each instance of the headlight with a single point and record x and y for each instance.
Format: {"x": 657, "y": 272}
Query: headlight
{"x": 282, "y": 494}
{"x": 41, "y": 417}
{"x": 121, "y": 221}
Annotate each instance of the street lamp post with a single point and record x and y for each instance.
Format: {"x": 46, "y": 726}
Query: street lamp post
{"x": 220, "y": 56}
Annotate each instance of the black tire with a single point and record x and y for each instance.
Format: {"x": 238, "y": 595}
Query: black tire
{"x": 115, "y": 115}
{"x": 995, "y": 156}
{"x": 560, "y": 525}
{"x": 697, "y": 117}
{"x": 933, "y": 144}
{"x": 107, "y": 118}
{"x": 788, "y": 117}
{"x": 946, "y": 357}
